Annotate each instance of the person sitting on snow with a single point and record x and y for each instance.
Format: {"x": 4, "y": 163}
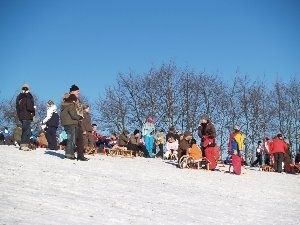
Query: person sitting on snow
{"x": 172, "y": 147}
{"x": 195, "y": 151}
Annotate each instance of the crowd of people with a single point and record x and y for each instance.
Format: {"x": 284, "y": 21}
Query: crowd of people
{"x": 79, "y": 135}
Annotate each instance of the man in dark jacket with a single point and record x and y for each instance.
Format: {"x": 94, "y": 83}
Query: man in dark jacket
{"x": 25, "y": 111}
{"x": 51, "y": 122}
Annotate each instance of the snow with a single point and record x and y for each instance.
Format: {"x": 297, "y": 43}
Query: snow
{"x": 40, "y": 187}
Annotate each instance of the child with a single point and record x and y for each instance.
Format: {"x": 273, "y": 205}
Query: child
{"x": 172, "y": 147}
{"x": 259, "y": 151}
{"x": 63, "y": 140}
{"x": 195, "y": 150}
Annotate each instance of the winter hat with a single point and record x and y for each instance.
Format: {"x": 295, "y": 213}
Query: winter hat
{"x": 74, "y": 88}
{"x": 150, "y": 119}
{"x": 24, "y": 86}
{"x": 279, "y": 135}
{"x": 236, "y": 127}
{"x": 50, "y": 102}
{"x": 136, "y": 131}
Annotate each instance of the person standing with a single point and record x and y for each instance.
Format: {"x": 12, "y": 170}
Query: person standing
{"x": 259, "y": 151}
{"x": 278, "y": 149}
{"x": 206, "y": 133}
{"x": 70, "y": 120}
{"x": 147, "y": 131}
{"x": 50, "y": 123}
{"x": 74, "y": 90}
{"x": 26, "y": 111}
{"x": 87, "y": 129}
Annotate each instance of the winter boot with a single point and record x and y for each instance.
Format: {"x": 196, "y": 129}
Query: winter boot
{"x": 24, "y": 147}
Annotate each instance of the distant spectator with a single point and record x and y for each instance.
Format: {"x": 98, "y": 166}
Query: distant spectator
{"x": 26, "y": 111}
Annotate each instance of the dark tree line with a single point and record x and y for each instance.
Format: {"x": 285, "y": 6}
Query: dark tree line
{"x": 181, "y": 96}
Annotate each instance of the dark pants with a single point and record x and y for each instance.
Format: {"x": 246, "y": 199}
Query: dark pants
{"x": 79, "y": 143}
{"x": 278, "y": 158}
{"x": 71, "y": 131}
{"x": 137, "y": 148}
{"x": 258, "y": 160}
{"x": 181, "y": 153}
{"x": 51, "y": 138}
{"x": 267, "y": 159}
{"x": 26, "y": 131}
{"x": 161, "y": 150}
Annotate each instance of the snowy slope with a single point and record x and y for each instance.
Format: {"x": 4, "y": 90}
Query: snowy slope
{"x": 39, "y": 187}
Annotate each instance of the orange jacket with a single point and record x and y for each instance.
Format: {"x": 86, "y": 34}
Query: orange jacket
{"x": 278, "y": 145}
{"x": 195, "y": 152}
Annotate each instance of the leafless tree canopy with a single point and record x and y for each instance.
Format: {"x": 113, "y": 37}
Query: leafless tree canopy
{"x": 179, "y": 97}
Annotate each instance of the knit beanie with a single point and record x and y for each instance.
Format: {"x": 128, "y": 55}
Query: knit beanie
{"x": 74, "y": 88}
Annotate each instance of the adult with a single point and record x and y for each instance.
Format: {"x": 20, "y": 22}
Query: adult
{"x": 123, "y": 138}
{"x": 50, "y": 124}
{"x": 267, "y": 143}
{"x": 184, "y": 144}
{"x": 278, "y": 149}
{"x": 136, "y": 145}
{"x": 26, "y": 111}
{"x": 70, "y": 120}
{"x": 87, "y": 129}
{"x": 206, "y": 133}
{"x": 74, "y": 89}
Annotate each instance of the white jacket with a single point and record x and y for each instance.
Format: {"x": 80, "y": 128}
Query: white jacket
{"x": 172, "y": 145}
{"x": 50, "y": 110}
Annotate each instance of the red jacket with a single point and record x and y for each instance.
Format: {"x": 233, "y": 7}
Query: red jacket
{"x": 278, "y": 145}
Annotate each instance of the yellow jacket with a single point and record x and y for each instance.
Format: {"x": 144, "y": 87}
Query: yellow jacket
{"x": 240, "y": 139}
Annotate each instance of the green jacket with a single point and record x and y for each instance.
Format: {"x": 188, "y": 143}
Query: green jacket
{"x": 68, "y": 114}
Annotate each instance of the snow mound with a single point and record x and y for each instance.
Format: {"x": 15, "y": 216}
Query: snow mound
{"x": 40, "y": 187}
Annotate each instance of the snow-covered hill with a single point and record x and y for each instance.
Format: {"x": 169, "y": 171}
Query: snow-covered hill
{"x": 40, "y": 187}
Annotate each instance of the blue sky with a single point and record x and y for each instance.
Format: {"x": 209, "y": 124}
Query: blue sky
{"x": 53, "y": 44}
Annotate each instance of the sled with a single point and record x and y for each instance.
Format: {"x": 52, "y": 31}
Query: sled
{"x": 267, "y": 168}
{"x": 91, "y": 150}
{"x": 189, "y": 162}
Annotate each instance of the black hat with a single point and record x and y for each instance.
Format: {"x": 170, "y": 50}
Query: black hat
{"x": 74, "y": 88}
{"x": 136, "y": 131}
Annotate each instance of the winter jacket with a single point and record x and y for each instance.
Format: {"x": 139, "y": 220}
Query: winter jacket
{"x": 195, "y": 152}
{"x": 148, "y": 128}
{"x": 53, "y": 121}
{"x": 239, "y": 137}
{"x": 25, "y": 106}
{"x": 86, "y": 123}
{"x": 123, "y": 140}
{"x": 134, "y": 140}
{"x": 278, "y": 146}
{"x": 184, "y": 145}
{"x": 207, "y": 129}
{"x": 160, "y": 138}
{"x": 172, "y": 145}
{"x": 68, "y": 114}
